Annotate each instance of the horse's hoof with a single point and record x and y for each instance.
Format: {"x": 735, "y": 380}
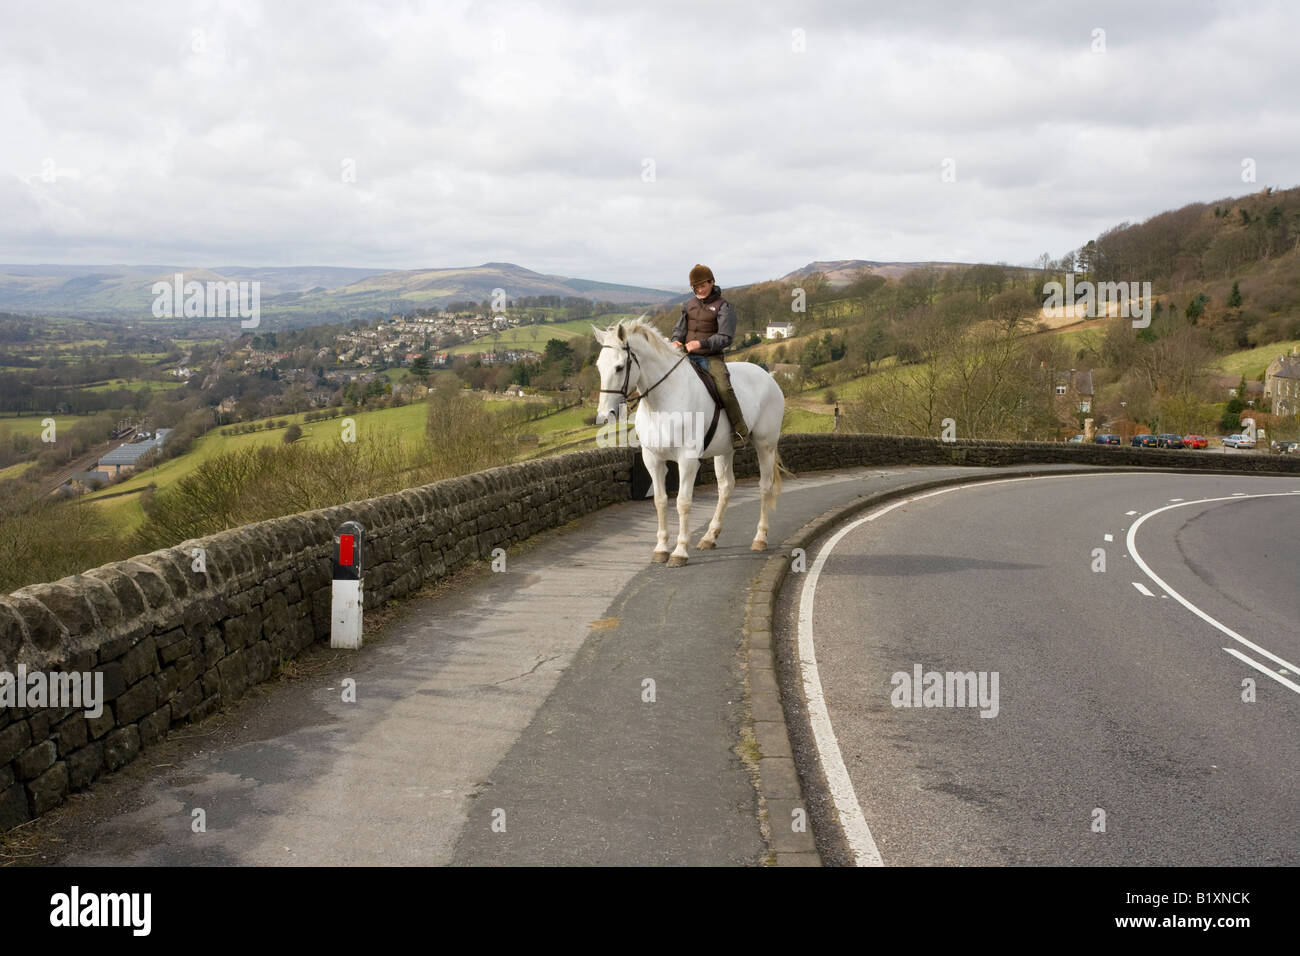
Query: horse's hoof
{"x": 705, "y": 544}
{"x": 758, "y": 546}
{"x": 659, "y": 557}
{"x": 676, "y": 561}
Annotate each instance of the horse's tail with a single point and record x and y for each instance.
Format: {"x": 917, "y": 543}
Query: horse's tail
{"x": 776, "y": 476}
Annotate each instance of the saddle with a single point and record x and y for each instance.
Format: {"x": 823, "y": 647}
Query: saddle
{"x": 712, "y": 387}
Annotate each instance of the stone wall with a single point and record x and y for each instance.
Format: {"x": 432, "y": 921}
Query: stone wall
{"x": 175, "y": 643}
{"x": 813, "y": 452}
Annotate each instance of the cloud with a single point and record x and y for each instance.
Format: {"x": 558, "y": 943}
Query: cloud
{"x": 409, "y": 135}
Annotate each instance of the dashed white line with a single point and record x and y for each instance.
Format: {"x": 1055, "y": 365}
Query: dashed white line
{"x": 1142, "y": 589}
{"x": 1108, "y": 537}
{"x": 1131, "y": 542}
{"x": 1130, "y": 512}
{"x": 1262, "y": 669}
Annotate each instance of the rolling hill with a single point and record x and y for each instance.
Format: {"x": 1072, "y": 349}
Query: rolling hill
{"x": 286, "y": 293}
{"x": 840, "y": 272}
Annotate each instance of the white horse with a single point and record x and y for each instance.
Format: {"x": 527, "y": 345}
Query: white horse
{"x": 671, "y": 421}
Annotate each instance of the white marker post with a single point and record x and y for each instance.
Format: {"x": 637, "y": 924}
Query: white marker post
{"x": 348, "y": 594}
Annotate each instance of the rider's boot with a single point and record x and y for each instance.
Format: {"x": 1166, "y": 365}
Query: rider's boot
{"x": 739, "y": 430}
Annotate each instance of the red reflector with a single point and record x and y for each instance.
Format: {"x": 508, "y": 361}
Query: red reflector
{"x": 345, "y": 549}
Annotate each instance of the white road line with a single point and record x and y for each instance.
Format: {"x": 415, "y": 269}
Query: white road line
{"x": 1262, "y": 669}
{"x": 1108, "y": 537}
{"x": 1137, "y": 558}
{"x": 1141, "y": 587}
{"x": 1177, "y": 499}
{"x": 852, "y": 820}
{"x": 1130, "y": 512}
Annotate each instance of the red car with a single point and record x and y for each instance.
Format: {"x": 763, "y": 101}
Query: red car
{"x": 1195, "y": 441}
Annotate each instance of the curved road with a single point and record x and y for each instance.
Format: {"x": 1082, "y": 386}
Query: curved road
{"x": 1120, "y": 729}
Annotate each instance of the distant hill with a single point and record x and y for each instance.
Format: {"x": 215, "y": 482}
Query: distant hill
{"x": 840, "y": 272}
{"x": 292, "y": 292}
{"x": 437, "y": 286}
{"x": 126, "y": 289}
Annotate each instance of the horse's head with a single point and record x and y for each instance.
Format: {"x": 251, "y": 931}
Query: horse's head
{"x": 618, "y": 373}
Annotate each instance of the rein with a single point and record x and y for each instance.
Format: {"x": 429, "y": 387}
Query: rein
{"x": 627, "y": 376}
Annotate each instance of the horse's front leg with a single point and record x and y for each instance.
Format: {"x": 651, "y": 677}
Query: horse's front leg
{"x": 658, "y": 469}
{"x": 722, "y": 468}
{"x": 686, "y": 469}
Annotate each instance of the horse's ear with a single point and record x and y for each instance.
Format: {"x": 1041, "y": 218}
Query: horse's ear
{"x": 622, "y": 333}
{"x": 600, "y": 334}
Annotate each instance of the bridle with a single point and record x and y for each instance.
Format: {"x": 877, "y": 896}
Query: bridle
{"x": 627, "y": 375}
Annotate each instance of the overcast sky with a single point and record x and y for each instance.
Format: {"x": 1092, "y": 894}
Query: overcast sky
{"x": 412, "y": 135}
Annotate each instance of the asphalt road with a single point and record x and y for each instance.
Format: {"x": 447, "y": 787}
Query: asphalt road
{"x": 1120, "y": 733}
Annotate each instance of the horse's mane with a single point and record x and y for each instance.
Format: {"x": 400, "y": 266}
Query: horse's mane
{"x": 643, "y": 329}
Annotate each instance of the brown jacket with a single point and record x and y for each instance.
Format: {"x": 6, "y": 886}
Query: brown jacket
{"x": 711, "y": 322}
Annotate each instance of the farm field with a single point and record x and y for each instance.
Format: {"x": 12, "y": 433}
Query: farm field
{"x": 533, "y": 337}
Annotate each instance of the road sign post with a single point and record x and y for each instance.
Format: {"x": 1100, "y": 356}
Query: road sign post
{"x": 348, "y": 594}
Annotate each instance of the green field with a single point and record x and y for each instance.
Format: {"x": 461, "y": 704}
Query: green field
{"x": 407, "y": 422}
{"x": 852, "y": 388}
{"x": 31, "y": 424}
{"x": 1253, "y": 362}
{"x": 134, "y": 384}
{"x": 14, "y": 471}
{"x": 533, "y": 337}
{"x": 801, "y": 420}
{"x": 1077, "y": 339}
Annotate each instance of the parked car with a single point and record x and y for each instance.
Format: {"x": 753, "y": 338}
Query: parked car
{"x": 1237, "y": 441}
{"x": 1169, "y": 441}
{"x": 1286, "y": 447}
{"x": 1076, "y": 439}
{"x": 1143, "y": 441}
{"x": 1196, "y": 441}
{"x": 1106, "y": 440}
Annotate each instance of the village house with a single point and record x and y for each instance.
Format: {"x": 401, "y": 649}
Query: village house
{"x": 1073, "y": 392}
{"x": 1282, "y": 383}
{"x": 782, "y": 330}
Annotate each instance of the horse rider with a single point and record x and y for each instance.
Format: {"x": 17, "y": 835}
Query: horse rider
{"x": 705, "y": 330}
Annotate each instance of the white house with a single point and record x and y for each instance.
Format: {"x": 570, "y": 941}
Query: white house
{"x": 780, "y": 330}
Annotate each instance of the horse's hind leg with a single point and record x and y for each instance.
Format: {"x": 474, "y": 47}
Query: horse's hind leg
{"x": 768, "y": 488}
{"x": 726, "y": 482}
